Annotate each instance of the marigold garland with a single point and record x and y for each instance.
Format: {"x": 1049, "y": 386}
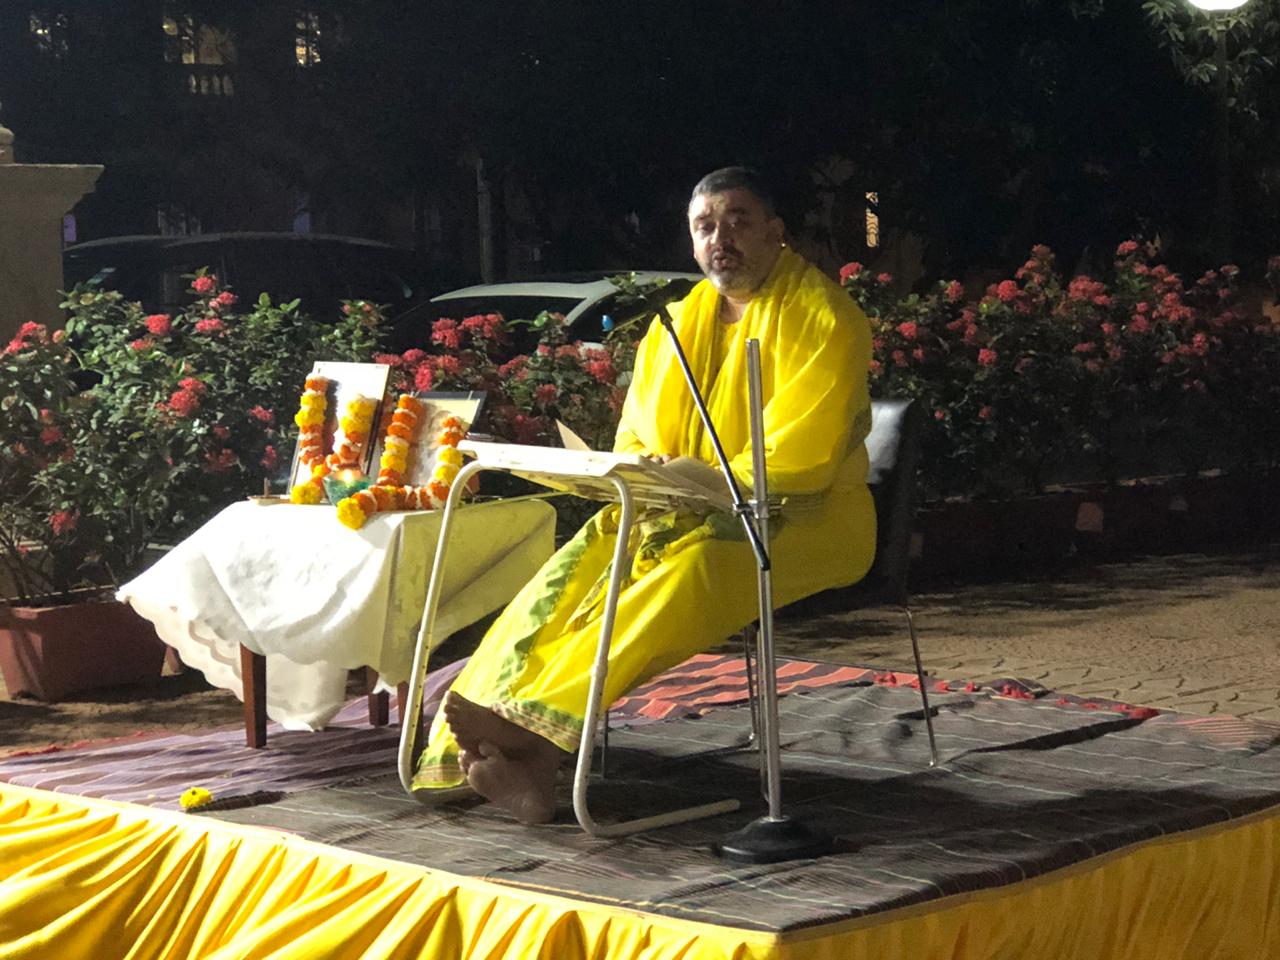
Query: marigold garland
{"x": 310, "y": 420}
{"x": 354, "y": 433}
{"x": 401, "y": 438}
{"x": 354, "y": 427}
{"x": 356, "y": 509}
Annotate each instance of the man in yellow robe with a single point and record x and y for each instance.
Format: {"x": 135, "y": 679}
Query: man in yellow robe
{"x": 516, "y": 710}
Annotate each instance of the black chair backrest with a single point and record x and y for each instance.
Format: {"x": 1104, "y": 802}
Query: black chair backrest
{"x": 893, "y": 448}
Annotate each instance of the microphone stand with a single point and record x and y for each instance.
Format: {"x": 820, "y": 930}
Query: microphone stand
{"x": 774, "y": 837}
{"x": 740, "y": 506}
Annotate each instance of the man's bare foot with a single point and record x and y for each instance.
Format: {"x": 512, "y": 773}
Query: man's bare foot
{"x": 524, "y": 788}
{"x": 466, "y": 759}
{"x": 472, "y": 723}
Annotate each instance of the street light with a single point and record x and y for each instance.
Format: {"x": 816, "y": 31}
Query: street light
{"x": 1222, "y": 141}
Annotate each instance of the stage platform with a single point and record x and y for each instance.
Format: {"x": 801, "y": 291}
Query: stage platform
{"x": 1055, "y": 828}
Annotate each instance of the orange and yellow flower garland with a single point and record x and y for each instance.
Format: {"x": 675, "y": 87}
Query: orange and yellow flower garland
{"x": 310, "y": 420}
{"x": 354, "y": 427}
{"x": 402, "y": 435}
{"x": 355, "y": 510}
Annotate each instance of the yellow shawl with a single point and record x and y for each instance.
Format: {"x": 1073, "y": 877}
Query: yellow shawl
{"x": 815, "y": 345}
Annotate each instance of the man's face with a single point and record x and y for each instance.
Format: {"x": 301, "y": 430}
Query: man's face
{"x": 735, "y": 240}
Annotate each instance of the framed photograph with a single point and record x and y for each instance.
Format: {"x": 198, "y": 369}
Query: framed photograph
{"x": 466, "y": 406}
{"x": 346, "y": 381}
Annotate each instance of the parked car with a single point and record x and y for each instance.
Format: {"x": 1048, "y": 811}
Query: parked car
{"x": 585, "y": 299}
{"x": 319, "y": 269}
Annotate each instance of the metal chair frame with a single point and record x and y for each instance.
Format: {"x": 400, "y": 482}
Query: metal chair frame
{"x": 411, "y": 731}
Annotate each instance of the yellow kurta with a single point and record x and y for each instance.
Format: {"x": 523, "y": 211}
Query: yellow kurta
{"x": 693, "y": 578}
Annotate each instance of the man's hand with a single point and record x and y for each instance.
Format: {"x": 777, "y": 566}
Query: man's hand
{"x": 659, "y": 458}
{"x": 702, "y": 474}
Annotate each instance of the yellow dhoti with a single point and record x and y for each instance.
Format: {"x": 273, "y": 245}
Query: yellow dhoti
{"x": 692, "y": 581}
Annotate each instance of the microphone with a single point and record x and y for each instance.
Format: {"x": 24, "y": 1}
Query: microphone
{"x": 675, "y": 289}
{"x": 653, "y": 302}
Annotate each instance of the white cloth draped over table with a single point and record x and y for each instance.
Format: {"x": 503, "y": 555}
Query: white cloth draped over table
{"x": 319, "y": 599}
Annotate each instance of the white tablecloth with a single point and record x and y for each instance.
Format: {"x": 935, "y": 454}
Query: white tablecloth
{"x": 319, "y": 599}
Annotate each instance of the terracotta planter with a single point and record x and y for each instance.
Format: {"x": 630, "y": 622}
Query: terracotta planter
{"x": 51, "y": 653}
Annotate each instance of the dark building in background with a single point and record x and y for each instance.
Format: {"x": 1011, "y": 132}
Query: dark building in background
{"x": 213, "y": 117}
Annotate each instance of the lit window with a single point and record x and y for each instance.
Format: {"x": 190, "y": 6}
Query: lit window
{"x": 873, "y": 219}
{"x": 306, "y": 39}
{"x": 207, "y": 51}
{"x": 179, "y": 38}
{"x": 49, "y": 33}
{"x": 214, "y": 46}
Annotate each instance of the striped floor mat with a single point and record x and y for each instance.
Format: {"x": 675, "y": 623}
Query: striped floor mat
{"x": 156, "y": 770}
{"x": 1026, "y": 787}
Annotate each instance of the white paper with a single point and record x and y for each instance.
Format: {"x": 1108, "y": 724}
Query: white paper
{"x": 570, "y": 440}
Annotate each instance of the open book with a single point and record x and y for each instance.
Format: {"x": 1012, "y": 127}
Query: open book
{"x": 586, "y": 473}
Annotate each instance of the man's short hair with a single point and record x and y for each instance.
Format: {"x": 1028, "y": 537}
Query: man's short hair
{"x": 737, "y": 178}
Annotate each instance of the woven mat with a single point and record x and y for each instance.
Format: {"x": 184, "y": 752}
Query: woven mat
{"x": 1030, "y": 783}
{"x": 156, "y": 770}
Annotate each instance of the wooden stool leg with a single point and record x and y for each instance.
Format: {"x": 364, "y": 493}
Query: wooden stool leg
{"x": 253, "y": 673}
{"x": 402, "y": 702}
{"x": 379, "y": 703}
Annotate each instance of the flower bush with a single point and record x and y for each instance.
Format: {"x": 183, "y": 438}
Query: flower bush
{"x": 581, "y": 385}
{"x": 561, "y": 380}
{"x": 125, "y": 428}
{"x": 36, "y": 390}
{"x": 1040, "y": 379}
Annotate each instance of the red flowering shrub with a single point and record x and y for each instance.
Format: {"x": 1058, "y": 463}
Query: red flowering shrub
{"x": 562, "y": 381}
{"x": 528, "y": 393}
{"x": 36, "y": 393}
{"x": 62, "y": 522}
{"x": 184, "y": 402}
{"x": 872, "y": 291}
{"x": 1141, "y": 373}
{"x": 464, "y": 357}
{"x": 29, "y": 335}
{"x": 220, "y": 461}
{"x": 127, "y": 428}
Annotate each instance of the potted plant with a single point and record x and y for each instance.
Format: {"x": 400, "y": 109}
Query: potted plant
{"x": 64, "y": 527}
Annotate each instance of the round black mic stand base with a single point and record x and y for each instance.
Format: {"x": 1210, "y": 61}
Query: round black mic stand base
{"x": 773, "y": 840}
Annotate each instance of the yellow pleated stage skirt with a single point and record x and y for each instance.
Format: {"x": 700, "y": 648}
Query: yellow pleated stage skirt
{"x": 99, "y": 880}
